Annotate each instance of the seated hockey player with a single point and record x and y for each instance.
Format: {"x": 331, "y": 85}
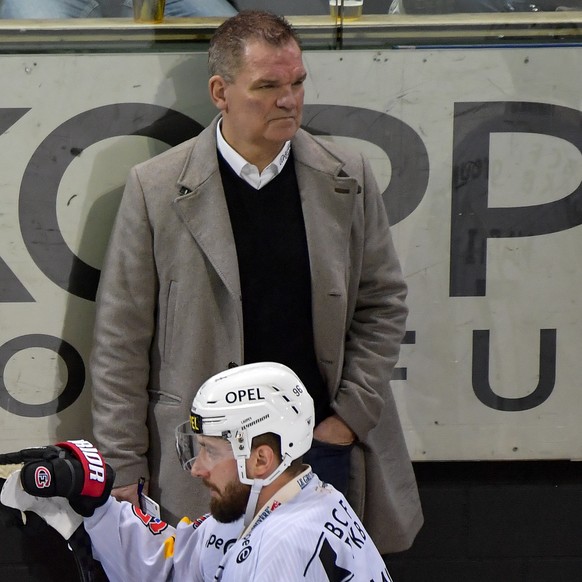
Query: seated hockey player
{"x": 271, "y": 517}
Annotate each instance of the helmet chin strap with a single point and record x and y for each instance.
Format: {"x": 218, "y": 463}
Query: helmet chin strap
{"x": 257, "y": 486}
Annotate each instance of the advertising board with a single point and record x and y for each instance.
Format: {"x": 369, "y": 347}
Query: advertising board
{"x": 477, "y": 152}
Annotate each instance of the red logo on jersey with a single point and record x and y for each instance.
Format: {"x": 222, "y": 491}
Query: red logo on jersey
{"x": 155, "y": 525}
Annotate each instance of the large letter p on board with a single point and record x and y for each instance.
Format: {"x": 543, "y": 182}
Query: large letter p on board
{"x": 473, "y": 222}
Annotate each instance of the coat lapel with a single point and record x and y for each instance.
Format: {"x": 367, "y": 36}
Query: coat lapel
{"x": 202, "y": 207}
{"x": 328, "y": 197}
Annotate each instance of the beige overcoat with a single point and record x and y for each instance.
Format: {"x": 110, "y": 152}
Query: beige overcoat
{"x": 169, "y": 316}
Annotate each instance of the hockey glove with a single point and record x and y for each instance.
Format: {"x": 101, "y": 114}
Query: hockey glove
{"x": 72, "y": 469}
{"x": 56, "y": 511}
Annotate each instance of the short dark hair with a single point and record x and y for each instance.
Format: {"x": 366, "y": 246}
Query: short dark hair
{"x": 229, "y": 41}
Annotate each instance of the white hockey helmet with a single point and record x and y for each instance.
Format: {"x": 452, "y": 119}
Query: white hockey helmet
{"x": 247, "y": 401}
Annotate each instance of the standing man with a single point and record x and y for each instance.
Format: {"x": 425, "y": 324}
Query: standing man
{"x": 253, "y": 242}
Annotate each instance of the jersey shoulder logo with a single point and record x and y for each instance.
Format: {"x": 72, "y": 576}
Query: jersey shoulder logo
{"x": 154, "y": 524}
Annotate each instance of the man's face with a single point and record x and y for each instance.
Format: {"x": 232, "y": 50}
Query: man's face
{"x": 216, "y": 466}
{"x": 262, "y": 107}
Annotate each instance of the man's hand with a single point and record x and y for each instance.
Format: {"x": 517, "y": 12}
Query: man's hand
{"x": 335, "y": 431}
{"x": 129, "y": 493}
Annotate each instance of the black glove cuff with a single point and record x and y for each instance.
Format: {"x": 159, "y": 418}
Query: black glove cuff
{"x": 84, "y": 505}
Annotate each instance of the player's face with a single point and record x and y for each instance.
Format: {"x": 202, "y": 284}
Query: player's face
{"x": 216, "y": 466}
{"x": 262, "y": 108}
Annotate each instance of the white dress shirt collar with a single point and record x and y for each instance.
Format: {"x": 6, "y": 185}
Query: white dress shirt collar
{"x": 247, "y": 171}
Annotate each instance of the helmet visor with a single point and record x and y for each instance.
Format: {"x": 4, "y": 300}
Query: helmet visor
{"x": 209, "y": 449}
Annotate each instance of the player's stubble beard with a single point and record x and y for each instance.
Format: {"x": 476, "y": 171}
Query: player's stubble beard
{"x": 231, "y": 503}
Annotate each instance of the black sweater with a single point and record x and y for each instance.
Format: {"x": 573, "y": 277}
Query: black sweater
{"x": 273, "y": 262}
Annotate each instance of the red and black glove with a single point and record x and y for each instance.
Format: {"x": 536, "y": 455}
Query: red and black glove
{"x": 72, "y": 469}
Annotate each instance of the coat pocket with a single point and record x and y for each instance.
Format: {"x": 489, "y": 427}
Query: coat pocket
{"x": 170, "y": 319}
{"x": 159, "y": 397}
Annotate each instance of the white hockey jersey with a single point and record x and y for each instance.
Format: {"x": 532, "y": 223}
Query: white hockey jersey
{"x": 305, "y": 532}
